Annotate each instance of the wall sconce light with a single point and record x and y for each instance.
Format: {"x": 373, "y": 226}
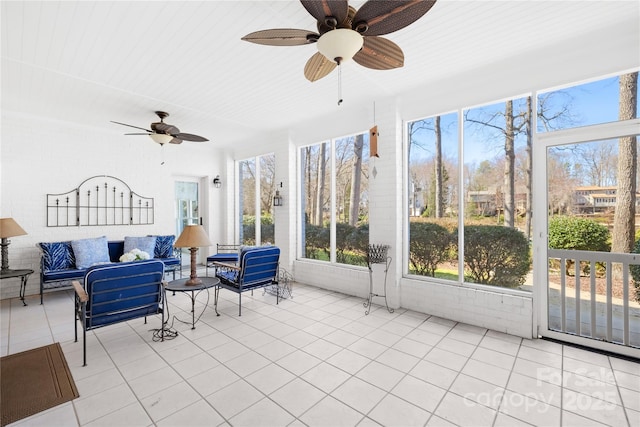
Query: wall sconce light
{"x": 217, "y": 182}
{"x": 277, "y": 199}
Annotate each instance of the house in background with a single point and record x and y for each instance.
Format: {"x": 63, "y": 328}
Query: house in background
{"x": 595, "y": 199}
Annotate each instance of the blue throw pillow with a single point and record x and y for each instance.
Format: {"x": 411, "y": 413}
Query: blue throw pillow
{"x": 89, "y": 252}
{"x": 57, "y": 256}
{"x": 145, "y": 244}
{"x": 164, "y": 246}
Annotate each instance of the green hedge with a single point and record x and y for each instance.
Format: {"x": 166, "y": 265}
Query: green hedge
{"x": 496, "y": 255}
{"x": 351, "y": 243}
{"x": 429, "y": 246}
{"x": 578, "y": 234}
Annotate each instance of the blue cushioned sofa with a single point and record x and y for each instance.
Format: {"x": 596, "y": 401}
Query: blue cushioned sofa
{"x": 58, "y": 267}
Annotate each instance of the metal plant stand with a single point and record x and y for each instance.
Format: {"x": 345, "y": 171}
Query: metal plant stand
{"x": 282, "y": 288}
{"x": 377, "y": 254}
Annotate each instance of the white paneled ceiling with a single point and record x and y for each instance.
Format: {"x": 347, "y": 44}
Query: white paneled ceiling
{"x": 91, "y": 62}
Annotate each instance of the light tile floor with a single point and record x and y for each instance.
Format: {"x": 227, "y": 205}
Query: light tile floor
{"x": 317, "y": 360}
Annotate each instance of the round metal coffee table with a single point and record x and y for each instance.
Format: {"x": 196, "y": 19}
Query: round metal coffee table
{"x": 180, "y": 285}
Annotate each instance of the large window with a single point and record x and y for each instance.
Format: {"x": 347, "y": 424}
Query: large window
{"x": 335, "y": 200}
{"x": 582, "y": 105}
{"x": 257, "y": 187}
{"x": 433, "y": 196}
{"x": 478, "y": 231}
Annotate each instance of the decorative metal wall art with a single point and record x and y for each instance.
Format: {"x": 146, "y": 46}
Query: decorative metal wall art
{"x": 99, "y": 200}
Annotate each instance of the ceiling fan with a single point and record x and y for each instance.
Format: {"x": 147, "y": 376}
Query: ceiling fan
{"x": 344, "y": 33}
{"x": 162, "y": 132}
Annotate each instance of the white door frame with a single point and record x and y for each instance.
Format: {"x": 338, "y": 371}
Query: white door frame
{"x": 541, "y": 142}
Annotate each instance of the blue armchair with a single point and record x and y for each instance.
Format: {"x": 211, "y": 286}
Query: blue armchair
{"x": 257, "y": 267}
{"x": 115, "y": 293}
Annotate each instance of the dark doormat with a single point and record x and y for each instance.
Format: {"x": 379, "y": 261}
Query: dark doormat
{"x": 34, "y": 380}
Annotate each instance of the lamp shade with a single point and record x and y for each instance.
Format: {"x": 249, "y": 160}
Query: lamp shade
{"x": 340, "y": 45}
{"x": 161, "y": 138}
{"x": 10, "y": 228}
{"x": 193, "y": 236}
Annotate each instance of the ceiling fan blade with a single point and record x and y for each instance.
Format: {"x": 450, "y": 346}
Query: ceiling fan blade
{"x": 188, "y": 137}
{"x": 132, "y": 126}
{"x": 139, "y": 133}
{"x": 320, "y": 9}
{"x": 384, "y": 17}
{"x": 379, "y": 53}
{"x": 282, "y": 37}
{"x": 175, "y": 141}
{"x": 317, "y": 67}
{"x": 161, "y": 127}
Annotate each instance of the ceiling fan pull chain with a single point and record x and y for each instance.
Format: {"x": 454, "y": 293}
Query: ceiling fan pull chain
{"x": 339, "y": 84}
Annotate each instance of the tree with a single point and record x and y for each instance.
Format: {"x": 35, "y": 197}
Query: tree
{"x": 527, "y": 170}
{"x": 624, "y": 216}
{"x": 356, "y": 174}
{"x": 322, "y": 165}
{"x": 599, "y": 163}
{"x": 507, "y": 131}
{"x": 561, "y": 183}
{"x": 439, "y": 184}
{"x": 432, "y": 202}
{"x": 267, "y": 182}
{"x": 511, "y": 123}
{"x": 414, "y": 128}
{"x": 509, "y": 169}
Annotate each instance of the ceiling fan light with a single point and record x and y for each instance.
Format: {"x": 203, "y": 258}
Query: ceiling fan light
{"x": 161, "y": 138}
{"x": 341, "y": 43}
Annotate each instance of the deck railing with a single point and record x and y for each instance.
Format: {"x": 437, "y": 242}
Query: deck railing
{"x": 606, "y": 316}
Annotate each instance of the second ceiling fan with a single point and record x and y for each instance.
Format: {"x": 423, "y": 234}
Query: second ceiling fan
{"x": 344, "y": 33}
{"x": 163, "y": 133}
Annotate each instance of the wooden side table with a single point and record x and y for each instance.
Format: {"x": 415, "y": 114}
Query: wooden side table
{"x": 22, "y": 274}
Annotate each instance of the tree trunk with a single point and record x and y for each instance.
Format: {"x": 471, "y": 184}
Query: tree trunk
{"x": 509, "y": 167}
{"x": 322, "y": 166}
{"x": 528, "y": 167}
{"x": 356, "y": 178}
{"x": 310, "y": 200}
{"x": 624, "y": 216}
{"x": 439, "y": 199}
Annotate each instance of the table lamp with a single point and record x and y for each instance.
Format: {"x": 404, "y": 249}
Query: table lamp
{"x": 8, "y": 228}
{"x": 193, "y": 237}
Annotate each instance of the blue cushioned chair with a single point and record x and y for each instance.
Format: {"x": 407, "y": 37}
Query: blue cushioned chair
{"x": 257, "y": 267}
{"x": 116, "y": 293}
{"x": 227, "y": 254}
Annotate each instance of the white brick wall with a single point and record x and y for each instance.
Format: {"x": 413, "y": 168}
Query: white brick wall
{"x": 340, "y": 278}
{"x": 512, "y": 314}
{"x": 40, "y": 157}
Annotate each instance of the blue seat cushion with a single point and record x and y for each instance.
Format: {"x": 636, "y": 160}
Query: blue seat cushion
{"x": 228, "y": 277}
{"x": 65, "y": 274}
{"x": 223, "y": 257}
{"x": 170, "y": 262}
